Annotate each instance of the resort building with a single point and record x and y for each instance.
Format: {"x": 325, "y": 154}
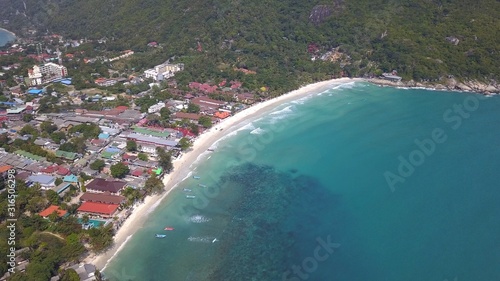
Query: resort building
{"x": 163, "y": 71}
{"x": 103, "y": 82}
{"x": 149, "y": 140}
{"x": 85, "y": 271}
{"x": 391, "y": 77}
{"x": 97, "y": 209}
{"x": 45, "y": 73}
{"x": 102, "y": 185}
{"x": 179, "y": 116}
{"x": 105, "y": 198}
{"x": 51, "y": 209}
{"x": 207, "y": 103}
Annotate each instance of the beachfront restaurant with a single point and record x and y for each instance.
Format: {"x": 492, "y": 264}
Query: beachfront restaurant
{"x": 98, "y": 210}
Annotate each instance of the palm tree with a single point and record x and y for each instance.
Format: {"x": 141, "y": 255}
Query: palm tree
{"x": 85, "y": 219}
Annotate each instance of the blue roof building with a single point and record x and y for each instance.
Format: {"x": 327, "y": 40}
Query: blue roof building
{"x": 66, "y": 81}
{"x": 70, "y": 178}
{"x": 62, "y": 187}
{"x": 43, "y": 180}
{"x": 35, "y": 92}
{"x": 113, "y": 149}
{"x": 103, "y": 136}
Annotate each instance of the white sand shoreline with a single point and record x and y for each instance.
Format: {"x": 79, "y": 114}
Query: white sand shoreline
{"x": 182, "y": 166}
{"x": 8, "y": 31}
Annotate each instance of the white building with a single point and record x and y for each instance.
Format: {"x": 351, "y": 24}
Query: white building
{"x": 163, "y": 71}
{"x": 45, "y": 73}
{"x": 156, "y": 107}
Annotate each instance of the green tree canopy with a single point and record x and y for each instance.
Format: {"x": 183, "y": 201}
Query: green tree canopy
{"x": 184, "y": 144}
{"x": 154, "y": 185}
{"x": 131, "y": 145}
{"x": 164, "y": 159}
{"x": 70, "y": 275}
{"x": 48, "y": 127}
{"x": 193, "y": 108}
{"x": 205, "y": 121}
{"x": 142, "y": 156}
{"x": 119, "y": 170}
{"x": 97, "y": 165}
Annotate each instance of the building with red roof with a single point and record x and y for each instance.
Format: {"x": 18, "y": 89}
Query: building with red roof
{"x": 222, "y": 114}
{"x": 5, "y": 168}
{"x": 50, "y": 169}
{"x": 185, "y": 132}
{"x": 202, "y": 87}
{"x": 101, "y": 185}
{"x": 121, "y": 108}
{"x": 51, "y": 209}
{"x": 236, "y": 84}
{"x": 105, "y": 198}
{"x": 98, "y": 209}
{"x": 137, "y": 172}
{"x": 184, "y": 115}
{"x": 62, "y": 171}
{"x": 208, "y": 103}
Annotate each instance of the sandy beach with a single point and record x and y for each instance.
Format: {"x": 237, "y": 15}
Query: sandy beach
{"x": 200, "y": 145}
{"x": 8, "y": 31}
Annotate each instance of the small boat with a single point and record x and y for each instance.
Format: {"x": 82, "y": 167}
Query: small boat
{"x": 169, "y": 228}
{"x": 215, "y": 240}
{"x": 201, "y": 185}
{"x": 187, "y": 190}
{"x": 160, "y": 235}
{"x": 196, "y": 177}
{"x": 190, "y": 196}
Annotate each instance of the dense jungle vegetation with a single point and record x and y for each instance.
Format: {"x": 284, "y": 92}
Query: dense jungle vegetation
{"x": 278, "y": 38}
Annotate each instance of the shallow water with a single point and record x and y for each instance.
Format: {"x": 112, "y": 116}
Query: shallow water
{"x": 300, "y": 193}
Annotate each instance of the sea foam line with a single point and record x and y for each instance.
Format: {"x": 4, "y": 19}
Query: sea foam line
{"x": 248, "y": 126}
{"x": 117, "y": 251}
{"x": 257, "y": 131}
{"x": 285, "y": 110}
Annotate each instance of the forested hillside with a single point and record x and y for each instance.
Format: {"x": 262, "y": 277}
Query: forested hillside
{"x": 421, "y": 39}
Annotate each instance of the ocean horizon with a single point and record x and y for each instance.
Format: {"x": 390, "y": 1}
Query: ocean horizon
{"x": 358, "y": 182}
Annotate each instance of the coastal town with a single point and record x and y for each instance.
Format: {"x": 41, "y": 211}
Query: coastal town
{"x": 249, "y": 140}
{"x": 90, "y": 155}
{"x": 93, "y": 150}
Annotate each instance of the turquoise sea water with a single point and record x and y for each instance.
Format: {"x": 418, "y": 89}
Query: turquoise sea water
{"x": 5, "y": 37}
{"x": 301, "y": 193}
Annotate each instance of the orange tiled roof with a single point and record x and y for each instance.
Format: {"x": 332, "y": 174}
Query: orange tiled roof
{"x": 221, "y": 114}
{"x": 5, "y": 168}
{"x": 98, "y": 208}
{"x": 51, "y": 209}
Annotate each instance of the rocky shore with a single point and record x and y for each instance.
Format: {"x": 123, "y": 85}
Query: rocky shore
{"x": 450, "y": 84}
